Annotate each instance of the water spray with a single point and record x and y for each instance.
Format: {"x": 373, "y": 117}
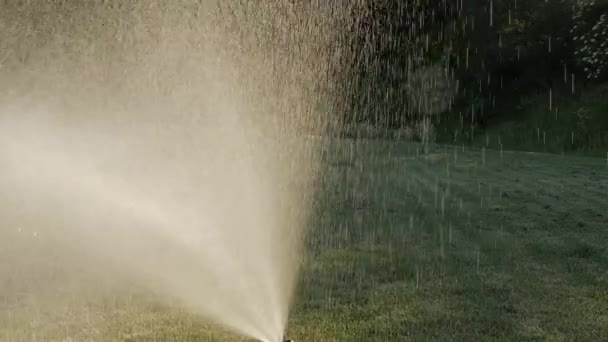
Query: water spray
{"x": 167, "y": 175}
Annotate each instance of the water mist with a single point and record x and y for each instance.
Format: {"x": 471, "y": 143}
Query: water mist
{"x": 165, "y": 144}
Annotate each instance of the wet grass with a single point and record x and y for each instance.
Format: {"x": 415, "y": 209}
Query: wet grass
{"x": 464, "y": 245}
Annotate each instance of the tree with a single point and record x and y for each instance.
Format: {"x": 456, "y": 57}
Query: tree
{"x": 590, "y": 35}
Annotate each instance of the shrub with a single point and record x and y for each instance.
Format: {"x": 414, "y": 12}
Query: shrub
{"x": 590, "y": 35}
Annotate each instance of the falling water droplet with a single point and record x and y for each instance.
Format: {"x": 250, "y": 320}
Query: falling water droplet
{"x": 478, "y": 259}
{"x": 573, "y": 90}
{"x": 450, "y": 233}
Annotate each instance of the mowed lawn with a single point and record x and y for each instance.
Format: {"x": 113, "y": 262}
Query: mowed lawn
{"x": 458, "y": 244}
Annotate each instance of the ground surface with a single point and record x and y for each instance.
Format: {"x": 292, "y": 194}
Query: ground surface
{"x": 458, "y": 245}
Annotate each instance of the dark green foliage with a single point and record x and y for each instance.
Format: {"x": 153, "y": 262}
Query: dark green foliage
{"x": 500, "y": 52}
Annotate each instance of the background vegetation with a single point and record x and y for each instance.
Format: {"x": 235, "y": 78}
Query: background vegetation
{"x": 507, "y": 64}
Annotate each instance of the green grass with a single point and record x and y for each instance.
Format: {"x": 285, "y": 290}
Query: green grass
{"x": 525, "y": 257}
{"x": 503, "y": 246}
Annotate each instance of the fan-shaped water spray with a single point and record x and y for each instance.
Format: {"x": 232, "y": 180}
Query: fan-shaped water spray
{"x": 166, "y": 143}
